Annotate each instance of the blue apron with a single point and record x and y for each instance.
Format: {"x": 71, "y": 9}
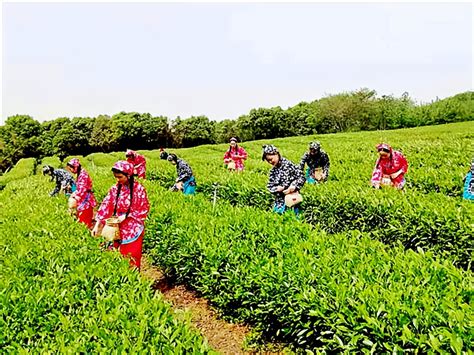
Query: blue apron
{"x": 189, "y": 186}
{"x": 469, "y": 187}
{"x": 282, "y": 209}
{"x": 309, "y": 178}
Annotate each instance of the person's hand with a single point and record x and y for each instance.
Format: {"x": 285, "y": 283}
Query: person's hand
{"x": 279, "y": 188}
{"x": 376, "y": 186}
{"x": 121, "y": 218}
{"x": 135, "y": 172}
{"x": 395, "y": 175}
{"x": 289, "y": 190}
{"x": 95, "y": 230}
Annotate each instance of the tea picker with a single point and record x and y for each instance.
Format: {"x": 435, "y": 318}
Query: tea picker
{"x": 468, "y": 193}
{"x": 185, "y": 182}
{"x": 85, "y": 200}
{"x": 122, "y": 214}
{"x": 285, "y": 181}
{"x": 163, "y": 154}
{"x": 234, "y": 157}
{"x": 138, "y": 161}
{"x": 64, "y": 180}
{"x": 390, "y": 168}
{"x": 318, "y": 164}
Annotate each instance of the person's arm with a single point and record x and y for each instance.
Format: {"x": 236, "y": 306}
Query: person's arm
{"x": 242, "y": 153}
{"x": 141, "y": 205}
{"x": 403, "y": 167}
{"x": 298, "y": 178}
{"x": 376, "y": 175}
{"x": 227, "y": 157}
{"x": 81, "y": 188}
{"x": 105, "y": 211}
{"x": 325, "y": 161}
{"x": 303, "y": 161}
{"x": 141, "y": 167}
{"x": 57, "y": 188}
{"x": 140, "y": 161}
{"x": 65, "y": 181}
{"x": 273, "y": 185}
{"x": 184, "y": 172}
{"x": 106, "y": 208}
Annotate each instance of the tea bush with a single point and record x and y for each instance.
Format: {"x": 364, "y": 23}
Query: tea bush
{"x": 340, "y": 292}
{"x": 60, "y": 293}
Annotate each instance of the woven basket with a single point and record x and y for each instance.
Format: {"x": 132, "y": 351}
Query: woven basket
{"x": 72, "y": 203}
{"x": 111, "y": 230}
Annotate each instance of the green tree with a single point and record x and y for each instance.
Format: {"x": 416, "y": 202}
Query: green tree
{"x": 193, "y": 131}
{"x": 225, "y": 130}
{"x": 103, "y": 137}
{"x": 49, "y": 131}
{"x": 20, "y": 138}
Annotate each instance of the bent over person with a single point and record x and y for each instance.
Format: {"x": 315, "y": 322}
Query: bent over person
{"x": 127, "y": 200}
{"x": 318, "y": 163}
{"x": 83, "y": 195}
{"x": 138, "y": 161}
{"x": 64, "y": 180}
{"x": 285, "y": 178}
{"x": 390, "y": 168}
{"x": 185, "y": 181}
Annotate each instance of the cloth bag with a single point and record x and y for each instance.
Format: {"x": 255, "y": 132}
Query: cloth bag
{"x": 293, "y": 199}
{"x": 231, "y": 165}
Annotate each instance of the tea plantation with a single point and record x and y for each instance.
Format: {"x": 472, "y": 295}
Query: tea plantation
{"x": 363, "y": 270}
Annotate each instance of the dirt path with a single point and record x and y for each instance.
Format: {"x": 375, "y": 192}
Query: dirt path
{"x": 226, "y": 338}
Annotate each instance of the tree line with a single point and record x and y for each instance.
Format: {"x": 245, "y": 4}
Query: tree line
{"x": 22, "y": 136}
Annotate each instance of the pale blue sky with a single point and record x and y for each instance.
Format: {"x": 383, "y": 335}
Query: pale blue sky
{"x": 223, "y": 59}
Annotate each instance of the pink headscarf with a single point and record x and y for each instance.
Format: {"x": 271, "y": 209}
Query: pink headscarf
{"x": 130, "y": 152}
{"x": 384, "y": 146}
{"x": 124, "y": 166}
{"x": 74, "y": 163}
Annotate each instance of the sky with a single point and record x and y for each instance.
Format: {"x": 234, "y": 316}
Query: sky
{"x": 223, "y": 59}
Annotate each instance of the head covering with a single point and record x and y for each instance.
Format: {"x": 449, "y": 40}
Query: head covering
{"x": 74, "y": 162}
{"x": 131, "y": 153}
{"x": 383, "y": 146}
{"x": 172, "y": 157}
{"x": 314, "y": 145}
{"x": 233, "y": 139}
{"x": 124, "y": 167}
{"x": 47, "y": 169}
{"x": 163, "y": 155}
{"x": 269, "y": 149}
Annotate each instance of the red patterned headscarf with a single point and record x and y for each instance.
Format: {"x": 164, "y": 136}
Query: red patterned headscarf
{"x": 124, "y": 166}
{"x": 384, "y": 146}
{"x": 74, "y": 163}
{"x": 130, "y": 153}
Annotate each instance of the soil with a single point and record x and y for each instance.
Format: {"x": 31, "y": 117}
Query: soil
{"x": 222, "y": 336}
